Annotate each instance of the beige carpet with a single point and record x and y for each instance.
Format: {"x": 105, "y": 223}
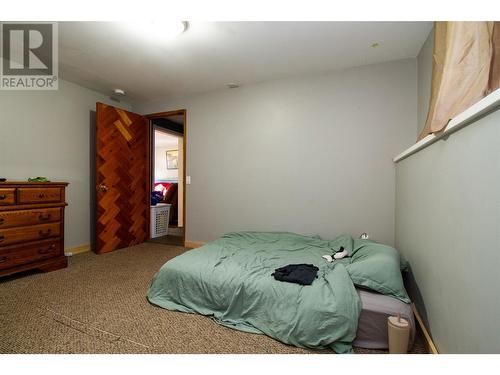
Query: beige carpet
{"x": 98, "y": 305}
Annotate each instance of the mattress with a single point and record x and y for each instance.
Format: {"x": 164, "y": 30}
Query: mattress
{"x": 372, "y": 323}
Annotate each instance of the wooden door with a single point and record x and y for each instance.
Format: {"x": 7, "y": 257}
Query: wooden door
{"x": 122, "y": 178}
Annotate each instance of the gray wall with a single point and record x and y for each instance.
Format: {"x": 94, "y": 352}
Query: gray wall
{"x": 47, "y": 133}
{"x": 448, "y": 227}
{"x": 309, "y": 155}
{"x": 424, "y": 63}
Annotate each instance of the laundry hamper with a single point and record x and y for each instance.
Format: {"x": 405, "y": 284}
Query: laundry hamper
{"x": 160, "y": 215}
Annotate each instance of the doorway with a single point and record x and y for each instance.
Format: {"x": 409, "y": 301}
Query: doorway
{"x": 168, "y": 156}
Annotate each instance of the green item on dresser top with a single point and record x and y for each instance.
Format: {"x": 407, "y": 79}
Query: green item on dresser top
{"x": 38, "y": 179}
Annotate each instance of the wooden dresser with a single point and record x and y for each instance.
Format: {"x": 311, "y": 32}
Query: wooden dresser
{"x": 32, "y": 226}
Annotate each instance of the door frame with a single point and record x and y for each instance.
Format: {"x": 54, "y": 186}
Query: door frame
{"x": 150, "y": 117}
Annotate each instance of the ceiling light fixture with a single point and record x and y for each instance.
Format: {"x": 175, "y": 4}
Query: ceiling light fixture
{"x": 119, "y": 92}
{"x": 117, "y": 95}
{"x": 159, "y": 30}
{"x": 232, "y": 85}
{"x": 375, "y": 45}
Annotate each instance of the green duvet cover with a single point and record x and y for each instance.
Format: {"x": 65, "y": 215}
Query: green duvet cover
{"x": 230, "y": 280}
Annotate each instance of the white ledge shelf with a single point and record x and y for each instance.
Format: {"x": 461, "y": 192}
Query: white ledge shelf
{"x": 485, "y": 105}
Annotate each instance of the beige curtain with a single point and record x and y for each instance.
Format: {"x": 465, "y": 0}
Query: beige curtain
{"x": 495, "y": 61}
{"x": 465, "y": 69}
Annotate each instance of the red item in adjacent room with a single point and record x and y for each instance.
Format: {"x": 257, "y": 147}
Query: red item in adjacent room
{"x": 162, "y": 186}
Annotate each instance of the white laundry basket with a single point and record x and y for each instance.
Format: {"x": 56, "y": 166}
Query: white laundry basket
{"x": 160, "y": 215}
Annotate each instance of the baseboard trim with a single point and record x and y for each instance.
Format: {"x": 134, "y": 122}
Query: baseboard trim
{"x": 431, "y": 347}
{"x": 193, "y": 244}
{"x": 77, "y": 249}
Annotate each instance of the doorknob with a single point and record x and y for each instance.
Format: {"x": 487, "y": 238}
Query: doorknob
{"x": 102, "y": 187}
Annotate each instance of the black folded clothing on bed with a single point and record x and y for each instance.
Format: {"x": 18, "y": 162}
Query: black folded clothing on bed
{"x": 303, "y": 274}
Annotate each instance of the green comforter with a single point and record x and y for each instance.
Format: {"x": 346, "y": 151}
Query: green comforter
{"x": 230, "y": 280}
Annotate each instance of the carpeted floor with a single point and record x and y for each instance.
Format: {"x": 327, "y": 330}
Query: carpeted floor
{"x": 98, "y": 305}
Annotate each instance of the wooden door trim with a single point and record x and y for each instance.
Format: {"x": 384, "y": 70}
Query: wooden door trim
{"x": 166, "y": 114}
{"x": 152, "y": 116}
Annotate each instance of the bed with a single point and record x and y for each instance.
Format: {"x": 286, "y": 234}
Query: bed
{"x": 230, "y": 280}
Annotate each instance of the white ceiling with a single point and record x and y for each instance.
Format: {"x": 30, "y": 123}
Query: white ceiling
{"x": 209, "y": 55}
{"x": 163, "y": 139}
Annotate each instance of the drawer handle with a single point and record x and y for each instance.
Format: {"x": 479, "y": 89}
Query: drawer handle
{"x": 2, "y": 238}
{"x": 41, "y": 233}
{"x": 41, "y": 195}
{"x": 2, "y": 197}
{"x": 1, "y": 220}
{"x": 45, "y": 218}
{"x": 47, "y": 250}
{"x": 3, "y": 259}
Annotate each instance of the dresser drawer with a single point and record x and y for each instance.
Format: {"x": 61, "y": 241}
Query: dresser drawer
{"x": 38, "y": 195}
{"x": 13, "y": 256}
{"x": 7, "y": 196}
{"x": 9, "y": 219}
{"x": 32, "y": 233}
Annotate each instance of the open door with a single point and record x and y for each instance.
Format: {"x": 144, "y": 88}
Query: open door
{"x": 122, "y": 178}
